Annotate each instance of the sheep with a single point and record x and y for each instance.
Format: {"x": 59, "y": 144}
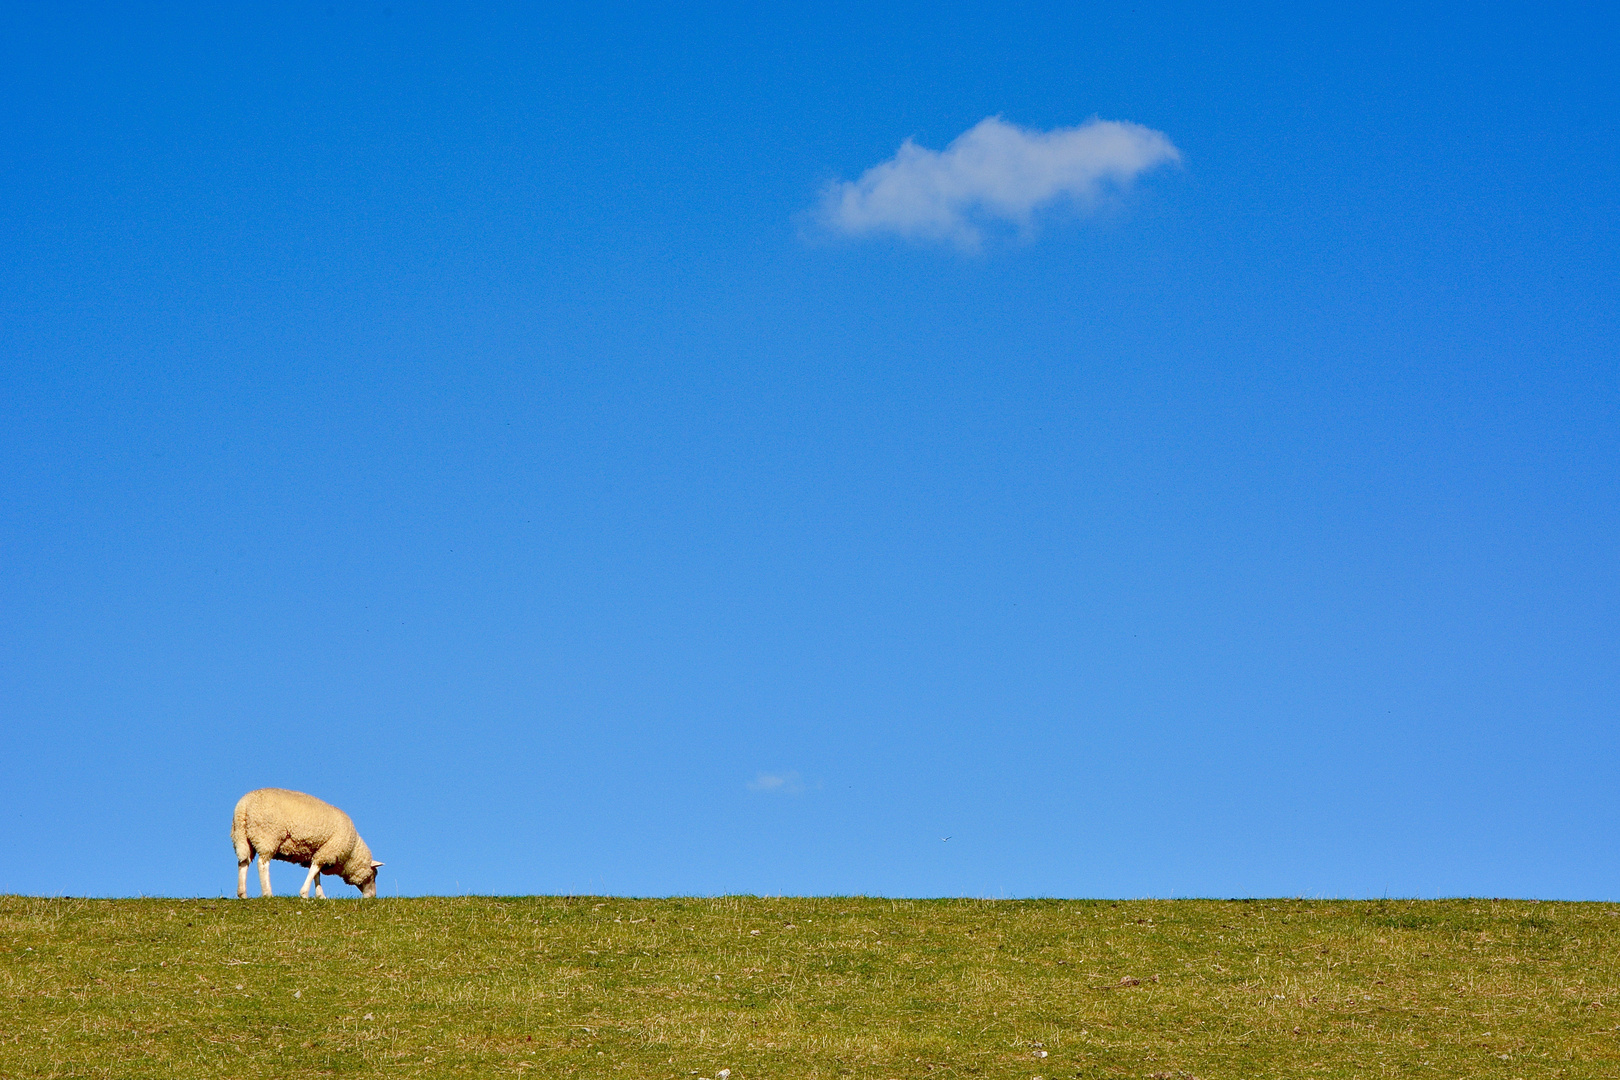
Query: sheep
{"x": 288, "y": 825}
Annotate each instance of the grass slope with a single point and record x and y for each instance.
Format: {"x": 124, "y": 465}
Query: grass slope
{"x": 606, "y": 987}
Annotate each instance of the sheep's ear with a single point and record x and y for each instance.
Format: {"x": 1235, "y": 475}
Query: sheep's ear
{"x": 375, "y": 864}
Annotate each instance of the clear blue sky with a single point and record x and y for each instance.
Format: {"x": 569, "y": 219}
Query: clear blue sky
{"x": 476, "y": 417}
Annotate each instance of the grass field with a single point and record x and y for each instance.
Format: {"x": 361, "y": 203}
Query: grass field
{"x": 605, "y": 987}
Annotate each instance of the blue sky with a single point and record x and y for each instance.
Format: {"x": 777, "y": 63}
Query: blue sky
{"x": 477, "y": 417}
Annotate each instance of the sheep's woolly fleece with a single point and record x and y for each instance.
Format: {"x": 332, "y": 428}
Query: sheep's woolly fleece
{"x": 275, "y": 823}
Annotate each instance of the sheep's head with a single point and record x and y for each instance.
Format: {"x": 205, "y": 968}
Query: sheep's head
{"x": 368, "y": 887}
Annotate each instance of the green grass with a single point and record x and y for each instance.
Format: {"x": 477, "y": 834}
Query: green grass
{"x": 605, "y": 987}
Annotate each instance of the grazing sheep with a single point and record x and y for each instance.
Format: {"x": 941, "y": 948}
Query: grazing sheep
{"x": 298, "y": 828}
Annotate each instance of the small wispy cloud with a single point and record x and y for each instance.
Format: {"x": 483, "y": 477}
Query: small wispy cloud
{"x": 778, "y": 783}
{"x": 993, "y": 172}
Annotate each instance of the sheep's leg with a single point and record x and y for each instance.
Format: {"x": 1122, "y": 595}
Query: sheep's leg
{"x": 319, "y": 894}
{"x": 314, "y": 877}
{"x": 264, "y": 875}
{"x": 241, "y": 877}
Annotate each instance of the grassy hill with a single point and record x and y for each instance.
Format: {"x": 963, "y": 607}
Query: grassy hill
{"x": 607, "y": 987}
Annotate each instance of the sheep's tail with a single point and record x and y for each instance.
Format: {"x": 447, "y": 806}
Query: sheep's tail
{"x": 239, "y": 836}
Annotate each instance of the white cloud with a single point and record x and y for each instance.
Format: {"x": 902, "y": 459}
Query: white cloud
{"x": 995, "y": 171}
{"x": 777, "y": 783}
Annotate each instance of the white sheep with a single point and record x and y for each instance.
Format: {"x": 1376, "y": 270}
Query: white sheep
{"x": 276, "y": 823}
